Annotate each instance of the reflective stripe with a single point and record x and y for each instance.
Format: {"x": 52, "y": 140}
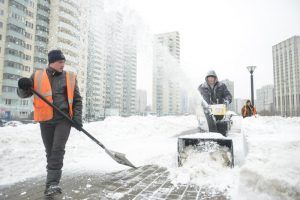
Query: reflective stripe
{"x": 70, "y": 101}
{"x": 71, "y": 81}
{"x": 39, "y": 83}
{"x": 47, "y": 94}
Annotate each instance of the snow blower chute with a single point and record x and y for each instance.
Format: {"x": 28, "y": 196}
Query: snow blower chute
{"x": 212, "y": 141}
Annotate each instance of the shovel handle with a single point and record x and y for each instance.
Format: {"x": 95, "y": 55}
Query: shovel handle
{"x": 66, "y": 116}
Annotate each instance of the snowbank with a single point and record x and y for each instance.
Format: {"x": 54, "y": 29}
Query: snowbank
{"x": 271, "y": 169}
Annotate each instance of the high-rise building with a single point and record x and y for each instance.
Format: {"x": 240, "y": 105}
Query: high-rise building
{"x": 166, "y": 89}
{"x": 264, "y": 99}
{"x": 69, "y": 32}
{"x": 96, "y": 68}
{"x": 20, "y": 31}
{"x": 286, "y": 70}
{"x": 42, "y": 34}
{"x": 121, "y": 64}
{"x": 129, "y": 70}
{"x": 238, "y": 105}
{"x": 230, "y": 87}
{"x": 114, "y": 63}
{"x": 141, "y": 102}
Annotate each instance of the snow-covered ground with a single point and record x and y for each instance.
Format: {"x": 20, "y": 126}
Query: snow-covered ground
{"x": 271, "y": 169}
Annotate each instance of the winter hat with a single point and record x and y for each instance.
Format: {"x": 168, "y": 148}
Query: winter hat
{"x": 55, "y": 55}
{"x": 211, "y": 73}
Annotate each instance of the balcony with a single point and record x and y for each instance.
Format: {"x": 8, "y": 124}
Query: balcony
{"x": 14, "y": 58}
{"x": 10, "y": 95}
{"x": 42, "y": 12}
{"x": 17, "y": 23}
{"x": 15, "y": 46}
{"x": 68, "y": 26}
{"x": 42, "y": 33}
{"x": 74, "y": 8}
{"x": 68, "y": 37}
{"x": 42, "y": 23}
{"x": 70, "y": 19}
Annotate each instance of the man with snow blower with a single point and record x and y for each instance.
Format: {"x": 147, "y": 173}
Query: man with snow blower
{"x": 60, "y": 88}
{"x": 218, "y": 97}
{"x": 213, "y": 91}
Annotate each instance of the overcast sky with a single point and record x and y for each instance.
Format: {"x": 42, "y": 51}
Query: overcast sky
{"x": 224, "y": 35}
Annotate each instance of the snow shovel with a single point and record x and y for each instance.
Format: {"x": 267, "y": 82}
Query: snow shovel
{"x": 118, "y": 157}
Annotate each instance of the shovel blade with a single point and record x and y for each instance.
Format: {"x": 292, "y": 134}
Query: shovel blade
{"x": 120, "y": 158}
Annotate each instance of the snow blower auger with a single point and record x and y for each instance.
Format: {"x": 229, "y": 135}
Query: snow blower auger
{"x": 214, "y": 141}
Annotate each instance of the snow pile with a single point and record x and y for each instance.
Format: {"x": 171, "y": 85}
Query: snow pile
{"x": 204, "y": 164}
{"x": 144, "y": 140}
{"x": 271, "y": 169}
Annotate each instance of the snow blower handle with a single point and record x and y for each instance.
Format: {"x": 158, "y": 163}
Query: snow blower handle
{"x": 66, "y": 116}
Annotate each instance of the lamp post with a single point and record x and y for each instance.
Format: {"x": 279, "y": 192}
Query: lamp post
{"x": 251, "y": 70}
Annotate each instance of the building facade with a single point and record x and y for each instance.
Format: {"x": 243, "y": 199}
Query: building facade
{"x": 166, "y": 97}
{"x": 69, "y": 32}
{"x": 141, "y": 102}
{"x": 130, "y": 67}
{"x": 230, "y": 86}
{"x": 238, "y": 105}
{"x": 20, "y": 28}
{"x": 121, "y": 65}
{"x": 265, "y": 100}
{"x": 114, "y": 63}
{"x": 286, "y": 71}
{"x": 96, "y": 68}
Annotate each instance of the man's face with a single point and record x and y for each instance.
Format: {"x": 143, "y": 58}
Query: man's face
{"x": 211, "y": 80}
{"x": 58, "y": 65}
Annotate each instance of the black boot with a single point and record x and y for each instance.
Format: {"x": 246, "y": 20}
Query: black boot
{"x": 53, "y": 178}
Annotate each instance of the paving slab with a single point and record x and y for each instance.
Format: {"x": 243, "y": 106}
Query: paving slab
{"x": 147, "y": 182}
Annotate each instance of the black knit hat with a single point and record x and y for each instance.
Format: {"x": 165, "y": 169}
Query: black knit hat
{"x": 55, "y": 55}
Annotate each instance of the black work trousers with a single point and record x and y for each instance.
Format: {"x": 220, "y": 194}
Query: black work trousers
{"x": 55, "y": 137}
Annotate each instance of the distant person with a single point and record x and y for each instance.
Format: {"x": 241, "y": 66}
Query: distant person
{"x": 213, "y": 91}
{"x": 248, "y": 109}
{"x": 60, "y": 88}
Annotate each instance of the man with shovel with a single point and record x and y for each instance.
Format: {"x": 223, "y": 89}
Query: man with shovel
{"x": 60, "y": 88}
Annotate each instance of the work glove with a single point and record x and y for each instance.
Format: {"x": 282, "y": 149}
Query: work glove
{"x": 77, "y": 124}
{"x": 226, "y": 102}
{"x": 25, "y": 83}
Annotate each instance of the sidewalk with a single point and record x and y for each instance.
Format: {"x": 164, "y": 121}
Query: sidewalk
{"x": 147, "y": 182}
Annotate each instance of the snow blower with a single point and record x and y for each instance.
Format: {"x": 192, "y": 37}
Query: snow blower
{"x": 215, "y": 140}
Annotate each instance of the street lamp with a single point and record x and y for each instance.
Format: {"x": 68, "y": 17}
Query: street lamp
{"x": 251, "y": 70}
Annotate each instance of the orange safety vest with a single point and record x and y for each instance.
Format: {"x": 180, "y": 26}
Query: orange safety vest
{"x": 245, "y": 111}
{"x": 42, "y": 111}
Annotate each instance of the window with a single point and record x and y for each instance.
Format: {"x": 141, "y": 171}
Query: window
{"x": 0, "y": 37}
{"x": 28, "y": 24}
{"x": 16, "y": 66}
{"x": 23, "y": 114}
{"x": 1, "y": 24}
{"x": 9, "y": 89}
{"x": 24, "y": 102}
{"x": 1, "y": 12}
{"x": 2, "y": 1}
{"x": 16, "y": 53}
{"x": 7, "y": 101}
{"x": 11, "y": 76}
